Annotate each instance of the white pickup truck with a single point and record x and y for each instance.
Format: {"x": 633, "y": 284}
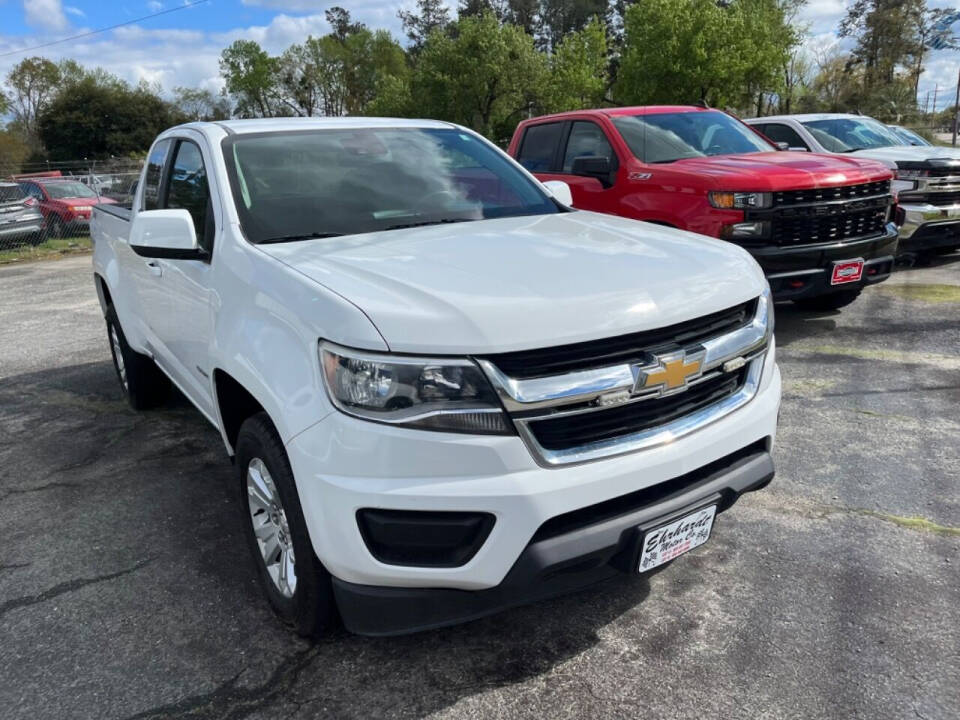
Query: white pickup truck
{"x": 927, "y": 180}
{"x": 445, "y": 391}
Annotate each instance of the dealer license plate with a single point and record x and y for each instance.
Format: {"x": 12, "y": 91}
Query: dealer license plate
{"x": 847, "y": 271}
{"x": 666, "y": 542}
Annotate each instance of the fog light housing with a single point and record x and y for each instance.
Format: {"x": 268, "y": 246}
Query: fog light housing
{"x": 744, "y": 230}
{"x": 420, "y": 538}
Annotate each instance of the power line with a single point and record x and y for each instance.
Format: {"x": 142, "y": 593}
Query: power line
{"x": 111, "y": 27}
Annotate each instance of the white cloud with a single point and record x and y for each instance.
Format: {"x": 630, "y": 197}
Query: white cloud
{"x": 155, "y": 6}
{"x": 75, "y": 11}
{"x": 45, "y": 14}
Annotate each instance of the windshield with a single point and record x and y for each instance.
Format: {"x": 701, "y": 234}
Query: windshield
{"x": 666, "y": 137}
{"x": 72, "y": 189}
{"x": 295, "y": 185}
{"x": 909, "y": 136}
{"x": 849, "y": 134}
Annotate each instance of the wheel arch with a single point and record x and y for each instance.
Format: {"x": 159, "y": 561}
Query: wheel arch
{"x": 235, "y": 403}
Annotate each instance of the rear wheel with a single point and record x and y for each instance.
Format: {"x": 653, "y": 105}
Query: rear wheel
{"x": 296, "y": 584}
{"x": 142, "y": 381}
{"x": 831, "y": 301}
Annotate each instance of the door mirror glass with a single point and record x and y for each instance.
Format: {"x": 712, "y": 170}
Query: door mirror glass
{"x": 593, "y": 166}
{"x": 166, "y": 234}
{"x": 561, "y": 191}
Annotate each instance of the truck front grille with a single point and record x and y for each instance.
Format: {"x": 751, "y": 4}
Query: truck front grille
{"x": 824, "y": 215}
{"x": 809, "y": 230}
{"x": 819, "y": 195}
{"x": 567, "y": 431}
{"x": 585, "y": 401}
{"x": 950, "y": 197}
{"x": 541, "y": 362}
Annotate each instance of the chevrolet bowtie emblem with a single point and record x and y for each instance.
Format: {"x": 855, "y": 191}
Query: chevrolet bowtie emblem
{"x": 668, "y": 373}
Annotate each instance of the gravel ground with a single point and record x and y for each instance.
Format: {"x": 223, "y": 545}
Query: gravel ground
{"x": 126, "y": 590}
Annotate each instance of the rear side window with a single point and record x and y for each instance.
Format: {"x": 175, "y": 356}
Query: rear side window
{"x": 586, "y": 140}
{"x": 539, "y": 146}
{"x": 32, "y": 190}
{"x": 188, "y": 190}
{"x": 10, "y": 194}
{"x": 784, "y": 133}
{"x": 154, "y": 176}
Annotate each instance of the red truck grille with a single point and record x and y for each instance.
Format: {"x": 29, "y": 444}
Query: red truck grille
{"x": 819, "y": 195}
{"x": 809, "y": 230}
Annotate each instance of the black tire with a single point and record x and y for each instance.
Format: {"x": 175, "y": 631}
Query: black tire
{"x": 37, "y": 239}
{"x": 310, "y": 610}
{"x": 141, "y": 380}
{"x": 831, "y": 301}
{"x": 54, "y": 226}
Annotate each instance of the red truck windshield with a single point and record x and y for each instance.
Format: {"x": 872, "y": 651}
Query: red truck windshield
{"x": 666, "y": 137}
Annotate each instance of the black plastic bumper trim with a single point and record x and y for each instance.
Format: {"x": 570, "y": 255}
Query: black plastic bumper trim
{"x": 552, "y": 566}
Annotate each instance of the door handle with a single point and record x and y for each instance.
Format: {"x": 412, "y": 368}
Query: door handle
{"x": 155, "y": 268}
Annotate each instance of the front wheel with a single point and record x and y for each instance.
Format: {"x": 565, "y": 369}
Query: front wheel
{"x": 142, "y": 381}
{"x": 296, "y": 584}
{"x": 831, "y": 301}
{"x": 54, "y": 226}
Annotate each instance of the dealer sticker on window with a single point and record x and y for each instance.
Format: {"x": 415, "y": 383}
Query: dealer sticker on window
{"x": 669, "y": 541}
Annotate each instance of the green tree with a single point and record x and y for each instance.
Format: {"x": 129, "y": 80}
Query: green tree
{"x": 697, "y": 50}
{"x": 886, "y": 37}
{"x": 13, "y": 151}
{"x": 931, "y": 35}
{"x": 579, "y": 76}
{"x": 559, "y": 17}
{"x": 199, "y": 104}
{"x": 483, "y": 74}
{"x": 99, "y": 119}
{"x": 250, "y": 76}
{"x": 418, "y": 24}
{"x": 32, "y": 84}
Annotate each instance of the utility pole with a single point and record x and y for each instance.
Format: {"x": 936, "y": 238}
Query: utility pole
{"x": 933, "y": 110}
{"x": 956, "y": 111}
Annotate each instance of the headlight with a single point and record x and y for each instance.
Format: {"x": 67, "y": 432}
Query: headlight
{"x": 443, "y": 394}
{"x": 907, "y": 174}
{"x": 744, "y": 230}
{"x": 740, "y": 200}
{"x": 83, "y": 208}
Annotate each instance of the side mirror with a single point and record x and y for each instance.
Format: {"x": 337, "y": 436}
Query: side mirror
{"x": 560, "y": 191}
{"x": 782, "y": 145}
{"x": 165, "y": 234}
{"x": 595, "y": 166}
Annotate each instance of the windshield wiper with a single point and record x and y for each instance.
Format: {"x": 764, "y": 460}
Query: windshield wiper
{"x": 422, "y": 223}
{"x": 303, "y": 236}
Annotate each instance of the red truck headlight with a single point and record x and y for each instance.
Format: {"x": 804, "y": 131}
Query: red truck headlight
{"x": 724, "y": 200}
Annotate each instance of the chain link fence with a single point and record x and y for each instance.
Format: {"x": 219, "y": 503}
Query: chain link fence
{"x": 47, "y": 202}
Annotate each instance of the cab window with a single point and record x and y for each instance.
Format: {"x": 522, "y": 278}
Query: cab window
{"x": 187, "y": 189}
{"x": 586, "y": 140}
{"x": 786, "y": 134}
{"x": 539, "y": 146}
{"x": 154, "y": 175}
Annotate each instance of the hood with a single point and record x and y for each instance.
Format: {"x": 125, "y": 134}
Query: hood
{"x": 73, "y": 202}
{"x": 520, "y": 283}
{"x": 908, "y": 153}
{"x": 785, "y": 170}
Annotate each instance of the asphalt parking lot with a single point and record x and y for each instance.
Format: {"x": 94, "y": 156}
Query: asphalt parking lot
{"x": 126, "y": 590}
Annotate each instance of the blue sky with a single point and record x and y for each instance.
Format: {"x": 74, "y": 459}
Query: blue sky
{"x": 182, "y": 47}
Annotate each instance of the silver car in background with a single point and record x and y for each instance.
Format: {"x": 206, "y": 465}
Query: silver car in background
{"x": 20, "y": 217}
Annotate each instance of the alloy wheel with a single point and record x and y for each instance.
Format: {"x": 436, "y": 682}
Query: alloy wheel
{"x": 270, "y": 528}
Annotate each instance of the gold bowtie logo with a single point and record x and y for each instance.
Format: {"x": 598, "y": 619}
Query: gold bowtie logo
{"x": 668, "y": 373}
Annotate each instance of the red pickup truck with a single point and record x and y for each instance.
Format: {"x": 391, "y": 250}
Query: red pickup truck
{"x": 819, "y": 225}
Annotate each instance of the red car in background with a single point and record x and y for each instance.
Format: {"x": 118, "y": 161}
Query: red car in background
{"x": 66, "y": 204}
{"x": 819, "y": 225}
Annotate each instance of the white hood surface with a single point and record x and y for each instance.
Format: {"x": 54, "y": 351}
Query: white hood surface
{"x": 519, "y": 283}
{"x": 908, "y": 153}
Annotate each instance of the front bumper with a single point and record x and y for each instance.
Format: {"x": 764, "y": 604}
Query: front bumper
{"x": 928, "y": 227}
{"x": 560, "y": 559}
{"x": 343, "y": 465}
{"x": 804, "y": 271}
